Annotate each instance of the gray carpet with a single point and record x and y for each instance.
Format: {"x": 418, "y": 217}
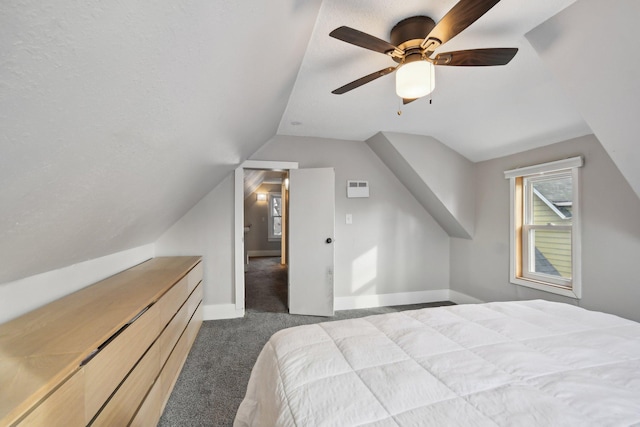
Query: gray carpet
{"x": 265, "y": 284}
{"x": 214, "y": 378}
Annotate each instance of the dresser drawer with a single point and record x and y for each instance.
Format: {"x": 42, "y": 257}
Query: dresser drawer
{"x": 123, "y": 404}
{"x": 122, "y": 381}
{"x": 194, "y": 325}
{"x": 195, "y": 276}
{"x": 169, "y": 373}
{"x": 172, "y": 332}
{"x": 171, "y": 301}
{"x": 64, "y": 407}
{"x": 106, "y": 370}
{"x": 150, "y": 411}
{"x": 195, "y": 299}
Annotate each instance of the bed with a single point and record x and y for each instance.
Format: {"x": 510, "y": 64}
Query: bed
{"x": 504, "y": 363}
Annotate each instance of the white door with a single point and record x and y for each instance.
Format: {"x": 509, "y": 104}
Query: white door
{"x": 311, "y": 235}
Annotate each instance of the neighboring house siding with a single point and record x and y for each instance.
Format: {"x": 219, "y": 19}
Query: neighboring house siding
{"x": 554, "y": 245}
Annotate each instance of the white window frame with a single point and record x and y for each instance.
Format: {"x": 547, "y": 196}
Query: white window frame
{"x": 518, "y": 270}
{"x": 272, "y": 237}
{"x": 528, "y": 258}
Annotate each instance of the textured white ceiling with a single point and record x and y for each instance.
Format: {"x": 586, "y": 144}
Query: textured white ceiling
{"x": 480, "y": 112}
{"x": 116, "y": 117}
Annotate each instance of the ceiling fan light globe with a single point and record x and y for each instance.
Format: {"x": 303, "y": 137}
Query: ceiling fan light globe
{"x": 415, "y": 79}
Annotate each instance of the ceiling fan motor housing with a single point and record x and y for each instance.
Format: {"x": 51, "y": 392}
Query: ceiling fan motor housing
{"x": 409, "y": 33}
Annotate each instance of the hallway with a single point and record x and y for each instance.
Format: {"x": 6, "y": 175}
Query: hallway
{"x": 266, "y": 285}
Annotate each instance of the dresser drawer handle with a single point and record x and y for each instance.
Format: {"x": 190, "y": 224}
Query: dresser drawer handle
{"x": 112, "y": 337}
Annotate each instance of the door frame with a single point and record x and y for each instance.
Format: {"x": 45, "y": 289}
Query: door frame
{"x": 238, "y": 226}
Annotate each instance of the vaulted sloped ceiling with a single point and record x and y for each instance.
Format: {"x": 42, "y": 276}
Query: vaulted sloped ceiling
{"x": 116, "y": 117}
{"x": 480, "y": 112}
{"x": 600, "y": 73}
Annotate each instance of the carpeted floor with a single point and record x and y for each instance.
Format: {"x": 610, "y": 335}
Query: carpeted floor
{"x": 265, "y": 285}
{"x": 214, "y": 378}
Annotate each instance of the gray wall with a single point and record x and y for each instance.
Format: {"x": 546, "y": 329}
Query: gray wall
{"x": 610, "y": 233}
{"x": 437, "y": 176}
{"x": 257, "y": 214}
{"x": 207, "y": 230}
{"x": 393, "y": 245}
{"x": 392, "y": 238}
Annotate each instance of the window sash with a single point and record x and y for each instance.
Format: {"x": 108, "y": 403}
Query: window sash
{"x": 272, "y": 236}
{"x": 528, "y": 256}
{"x": 529, "y": 187}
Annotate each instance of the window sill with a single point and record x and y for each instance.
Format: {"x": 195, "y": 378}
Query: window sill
{"x": 546, "y": 287}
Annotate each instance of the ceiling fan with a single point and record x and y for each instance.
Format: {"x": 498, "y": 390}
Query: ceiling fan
{"x": 413, "y": 43}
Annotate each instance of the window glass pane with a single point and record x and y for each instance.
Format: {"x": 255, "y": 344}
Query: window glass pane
{"x": 552, "y": 200}
{"x": 551, "y": 252}
{"x": 277, "y": 226}
{"x": 275, "y": 206}
{"x": 275, "y": 216}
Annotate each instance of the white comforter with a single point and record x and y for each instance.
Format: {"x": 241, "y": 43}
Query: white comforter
{"x": 511, "y": 364}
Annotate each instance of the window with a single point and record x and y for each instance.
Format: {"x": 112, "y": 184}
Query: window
{"x": 544, "y": 227}
{"x": 275, "y": 216}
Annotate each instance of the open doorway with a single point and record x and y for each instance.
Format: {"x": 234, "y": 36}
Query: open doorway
{"x": 265, "y": 240}
{"x": 309, "y": 244}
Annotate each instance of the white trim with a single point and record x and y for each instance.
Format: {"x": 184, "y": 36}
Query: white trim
{"x": 460, "y": 298}
{"x": 572, "y": 162}
{"x": 403, "y": 298}
{"x": 513, "y": 260}
{"x": 220, "y": 311}
{"x": 238, "y": 227}
{"x": 238, "y": 233}
{"x": 547, "y": 287}
{"x": 266, "y": 164}
{"x": 576, "y": 234}
{"x": 229, "y": 311}
{"x": 266, "y": 252}
{"x": 383, "y": 300}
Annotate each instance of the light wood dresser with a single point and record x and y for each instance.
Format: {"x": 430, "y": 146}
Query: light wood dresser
{"x": 108, "y": 354}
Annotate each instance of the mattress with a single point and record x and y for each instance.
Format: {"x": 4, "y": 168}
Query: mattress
{"x": 506, "y": 363}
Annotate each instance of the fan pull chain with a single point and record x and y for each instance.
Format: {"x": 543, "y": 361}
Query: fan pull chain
{"x": 430, "y": 80}
{"x": 399, "y": 106}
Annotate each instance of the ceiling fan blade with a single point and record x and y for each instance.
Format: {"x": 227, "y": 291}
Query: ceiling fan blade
{"x": 463, "y": 14}
{"x": 358, "y": 38}
{"x": 363, "y": 80}
{"x": 476, "y": 57}
{"x": 405, "y": 101}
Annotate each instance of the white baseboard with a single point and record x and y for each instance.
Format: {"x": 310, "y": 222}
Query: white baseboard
{"x": 460, "y": 298}
{"x": 403, "y": 298}
{"x": 229, "y": 311}
{"x": 266, "y": 252}
{"x": 381, "y": 300}
{"x": 221, "y": 311}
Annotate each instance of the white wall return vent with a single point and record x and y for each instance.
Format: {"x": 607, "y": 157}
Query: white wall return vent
{"x": 357, "y": 189}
